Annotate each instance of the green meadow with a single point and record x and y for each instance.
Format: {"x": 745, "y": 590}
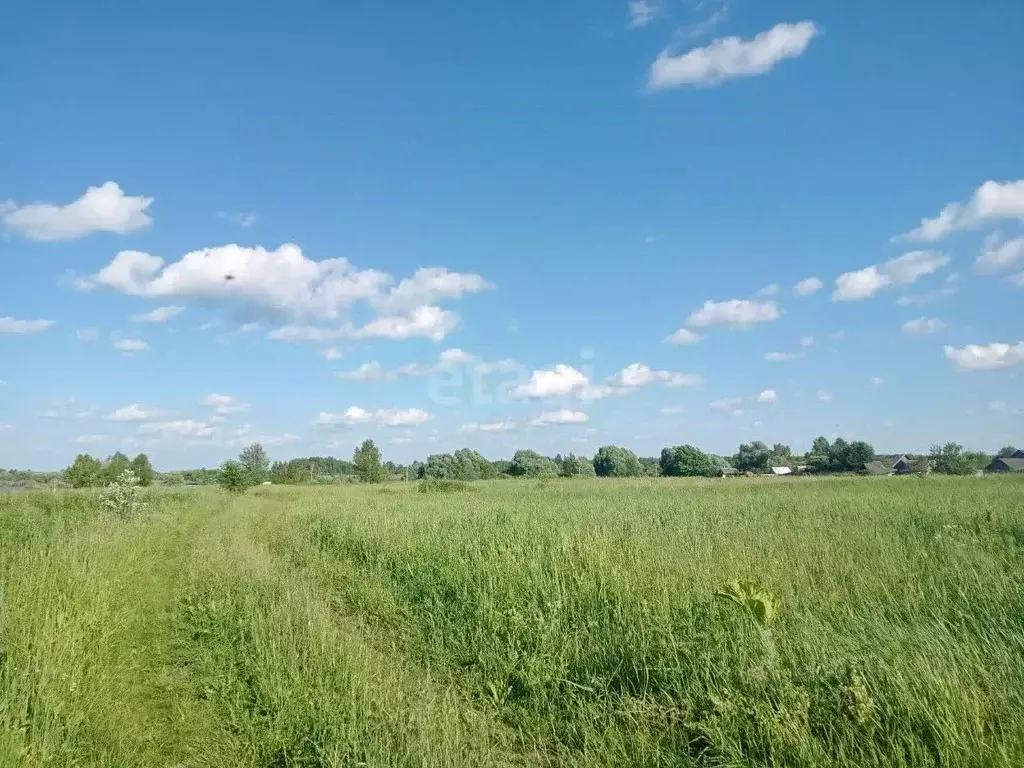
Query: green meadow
{"x": 584, "y": 623}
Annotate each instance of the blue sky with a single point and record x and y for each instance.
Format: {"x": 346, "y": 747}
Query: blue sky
{"x": 543, "y": 225}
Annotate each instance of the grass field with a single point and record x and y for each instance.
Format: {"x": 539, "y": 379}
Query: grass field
{"x": 517, "y": 624}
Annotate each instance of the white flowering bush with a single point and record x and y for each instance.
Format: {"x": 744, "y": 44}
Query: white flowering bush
{"x": 123, "y": 497}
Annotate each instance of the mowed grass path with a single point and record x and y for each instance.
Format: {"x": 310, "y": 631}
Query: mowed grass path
{"x": 568, "y": 623}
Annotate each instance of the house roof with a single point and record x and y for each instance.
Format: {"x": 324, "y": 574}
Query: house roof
{"x": 878, "y": 468}
{"x": 781, "y": 471}
{"x": 729, "y": 470}
{"x": 1014, "y": 465}
{"x": 1018, "y": 454}
{"x": 891, "y": 458}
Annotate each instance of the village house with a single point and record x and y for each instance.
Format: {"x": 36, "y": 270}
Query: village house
{"x": 1011, "y": 464}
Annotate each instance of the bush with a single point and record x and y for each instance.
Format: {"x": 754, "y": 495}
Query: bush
{"x": 233, "y": 477}
{"x": 444, "y": 486}
{"x": 123, "y": 496}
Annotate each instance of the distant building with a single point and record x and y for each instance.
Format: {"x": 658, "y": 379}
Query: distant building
{"x": 728, "y": 472}
{"x": 1006, "y": 465}
{"x": 899, "y": 463}
{"x": 778, "y": 471}
{"x": 1018, "y": 454}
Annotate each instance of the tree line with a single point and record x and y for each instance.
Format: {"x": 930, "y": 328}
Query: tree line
{"x": 253, "y": 466}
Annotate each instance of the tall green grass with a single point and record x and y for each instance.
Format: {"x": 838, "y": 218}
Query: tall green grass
{"x": 561, "y": 624}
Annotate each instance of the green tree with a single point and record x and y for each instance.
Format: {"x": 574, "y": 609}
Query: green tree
{"x": 1006, "y": 451}
{"x": 753, "y": 457}
{"x": 687, "y": 461}
{"x": 527, "y": 463}
{"x": 143, "y": 470}
{"x": 256, "y": 462}
{"x": 950, "y": 459}
{"x": 234, "y": 477}
{"x": 85, "y": 472}
{"x": 920, "y": 465}
{"x": 114, "y": 467}
{"x": 577, "y": 466}
{"x": 369, "y": 467}
{"x": 616, "y": 461}
{"x": 821, "y": 446}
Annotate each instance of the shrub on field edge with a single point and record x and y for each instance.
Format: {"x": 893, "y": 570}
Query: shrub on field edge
{"x": 444, "y": 486}
{"x": 123, "y": 495}
{"x": 233, "y": 477}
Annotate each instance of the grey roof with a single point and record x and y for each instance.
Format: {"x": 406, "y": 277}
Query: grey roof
{"x": 878, "y": 468}
{"x": 1014, "y": 465}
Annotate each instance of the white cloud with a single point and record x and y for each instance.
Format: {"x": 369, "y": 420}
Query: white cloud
{"x": 824, "y": 396}
{"x": 428, "y": 286}
{"x": 877, "y": 381}
{"x": 672, "y": 379}
{"x": 906, "y": 269}
{"x": 986, "y": 357}
{"x": 131, "y": 346}
{"x": 13, "y": 325}
{"x": 769, "y": 290}
{"x": 494, "y": 426}
{"x": 87, "y": 334}
{"x": 920, "y": 299}
{"x": 134, "y": 412}
{"x": 683, "y": 336}
{"x": 807, "y": 287}
{"x": 159, "y": 315}
{"x": 558, "y": 381}
{"x": 331, "y": 353}
{"x": 180, "y": 428}
{"x": 999, "y": 256}
{"x": 224, "y": 405}
{"x": 806, "y": 341}
{"x": 992, "y": 201}
{"x": 730, "y": 57}
{"x": 782, "y": 357}
{"x": 427, "y": 322}
{"x": 246, "y": 437}
{"x": 642, "y": 12}
{"x": 632, "y": 376}
{"x": 100, "y": 209}
{"x": 922, "y": 326}
{"x": 767, "y": 396}
{"x": 388, "y": 417}
{"x": 561, "y": 416}
{"x": 735, "y": 312}
{"x": 372, "y": 371}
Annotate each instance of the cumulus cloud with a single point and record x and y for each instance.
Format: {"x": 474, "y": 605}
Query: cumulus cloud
{"x": 388, "y": 417}
{"x": 159, "y": 315}
{"x": 769, "y": 290}
{"x": 767, "y": 396}
{"x": 331, "y": 353}
{"x": 922, "y": 326}
{"x": 426, "y": 322}
{"x": 807, "y": 287}
{"x": 131, "y": 346}
{"x": 731, "y": 404}
{"x": 986, "y": 357}
{"x": 134, "y": 412}
{"x": 554, "y": 382}
{"x": 428, "y": 286}
{"x": 904, "y": 270}
{"x": 180, "y": 428}
{"x": 100, "y": 209}
{"x": 683, "y": 336}
{"x": 13, "y": 325}
{"x": 735, "y": 312}
{"x": 561, "y": 416}
{"x": 374, "y": 371}
{"x": 731, "y": 57}
{"x": 992, "y": 201}
{"x": 999, "y": 256}
{"x": 506, "y": 365}
{"x": 493, "y": 426}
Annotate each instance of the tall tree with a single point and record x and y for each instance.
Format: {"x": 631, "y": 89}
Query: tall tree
{"x": 616, "y": 461}
{"x": 256, "y": 462}
{"x": 1006, "y": 451}
{"x": 577, "y": 466}
{"x": 687, "y": 461}
{"x": 369, "y": 467}
{"x": 143, "y": 469}
{"x": 85, "y": 472}
{"x": 950, "y": 459}
{"x": 234, "y": 477}
{"x": 527, "y": 463}
{"x": 114, "y": 467}
{"x": 753, "y": 457}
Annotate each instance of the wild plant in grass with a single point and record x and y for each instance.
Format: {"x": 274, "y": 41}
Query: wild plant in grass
{"x": 123, "y": 496}
{"x": 760, "y": 604}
